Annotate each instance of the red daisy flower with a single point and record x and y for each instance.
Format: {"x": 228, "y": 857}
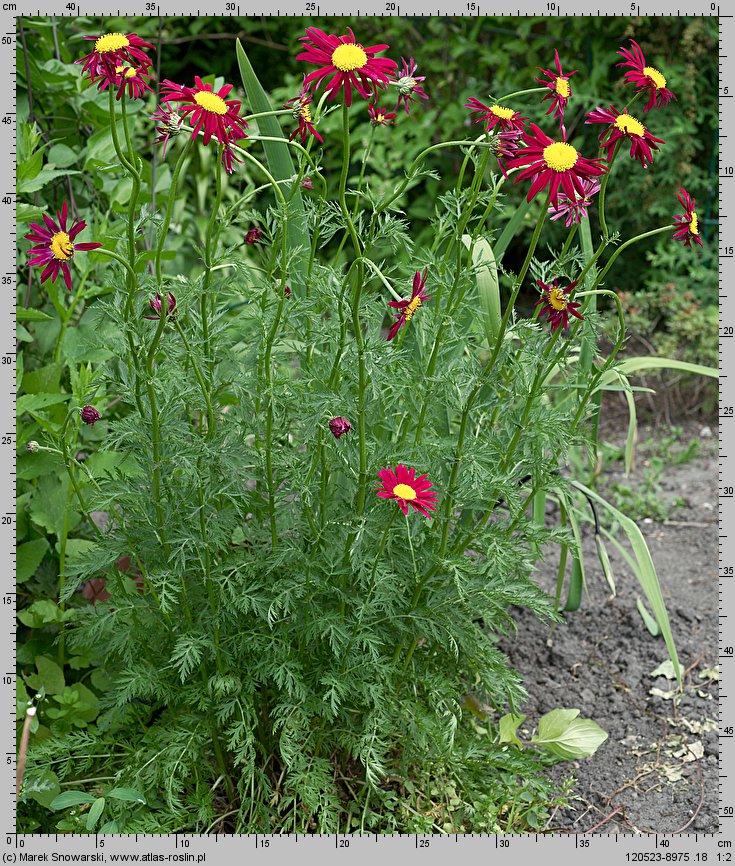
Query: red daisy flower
{"x": 113, "y": 50}
{"x": 496, "y": 115}
{"x": 402, "y": 485}
{"x": 557, "y": 305}
{"x": 408, "y": 84}
{"x": 54, "y": 245}
{"x": 554, "y": 164}
{"x": 301, "y": 111}
{"x": 687, "y": 223}
{"x": 645, "y": 77}
{"x": 621, "y": 126}
{"x": 209, "y": 111}
{"x": 558, "y": 84}
{"x": 409, "y": 307}
{"x": 379, "y": 116}
{"x": 346, "y": 63}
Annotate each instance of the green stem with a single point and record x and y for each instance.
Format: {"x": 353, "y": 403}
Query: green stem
{"x": 198, "y": 374}
{"x": 630, "y": 242}
{"x": 169, "y": 211}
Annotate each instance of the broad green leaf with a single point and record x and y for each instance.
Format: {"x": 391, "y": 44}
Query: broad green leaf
{"x": 640, "y": 365}
{"x": 605, "y": 563}
{"x": 34, "y": 402}
{"x": 646, "y": 572}
{"x": 70, "y": 798}
{"x": 49, "y": 676}
{"x": 488, "y": 287}
{"x": 28, "y": 558}
{"x": 42, "y": 786}
{"x": 280, "y": 165}
{"x": 650, "y": 623}
{"x": 565, "y": 735}
{"x": 62, "y": 156}
{"x": 94, "y": 813}
{"x": 43, "y": 380}
{"x": 508, "y": 726}
{"x": 130, "y": 795}
{"x": 45, "y": 176}
{"x": 23, "y": 314}
{"x": 510, "y": 230}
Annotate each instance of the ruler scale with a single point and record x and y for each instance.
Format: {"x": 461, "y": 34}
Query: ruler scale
{"x": 563, "y": 848}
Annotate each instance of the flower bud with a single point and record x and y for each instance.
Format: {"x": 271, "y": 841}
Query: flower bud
{"x": 306, "y": 183}
{"x": 157, "y": 302}
{"x": 339, "y": 426}
{"x": 90, "y": 415}
{"x": 33, "y": 447}
{"x": 253, "y": 236}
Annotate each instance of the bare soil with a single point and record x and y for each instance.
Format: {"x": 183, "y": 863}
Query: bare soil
{"x": 658, "y": 770}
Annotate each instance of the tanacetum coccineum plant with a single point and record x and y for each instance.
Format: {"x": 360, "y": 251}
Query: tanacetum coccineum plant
{"x": 334, "y": 435}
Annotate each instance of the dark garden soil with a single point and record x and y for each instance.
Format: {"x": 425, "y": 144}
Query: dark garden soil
{"x": 658, "y": 770}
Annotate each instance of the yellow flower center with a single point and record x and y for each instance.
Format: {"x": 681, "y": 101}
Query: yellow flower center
{"x": 557, "y": 299}
{"x": 562, "y": 88}
{"x": 412, "y": 307}
{"x": 656, "y": 77}
{"x": 305, "y": 111}
{"x": 210, "y": 102}
{"x": 560, "y": 156}
{"x": 693, "y": 224}
{"x": 404, "y": 491}
{"x": 130, "y": 72}
{"x": 348, "y": 57}
{"x": 380, "y": 118}
{"x": 629, "y": 125}
{"x": 61, "y": 246}
{"x": 111, "y": 42}
{"x": 499, "y": 111}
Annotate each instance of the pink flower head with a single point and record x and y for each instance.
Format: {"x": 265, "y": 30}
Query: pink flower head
{"x": 156, "y": 304}
{"x": 625, "y": 126}
{"x": 229, "y": 158}
{"x": 561, "y": 89}
{"x": 113, "y": 50}
{"x": 306, "y": 183}
{"x": 253, "y": 236}
{"x": 402, "y": 485}
{"x": 90, "y": 415}
{"x": 557, "y": 305}
{"x": 379, "y": 116}
{"x": 644, "y": 77}
{"x": 409, "y": 307}
{"x": 339, "y": 426}
{"x": 496, "y": 115}
{"x": 54, "y": 245}
{"x": 345, "y": 63}
{"x": 687, "y": 224}
{"x": 209, "y": 112}
{"x": 301, "y": 111}
{"x": 574, "y": 211}
{"x": 408, "y": 84}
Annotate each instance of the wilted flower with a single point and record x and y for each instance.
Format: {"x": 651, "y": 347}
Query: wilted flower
{"x": 253, "y": 236}
{"x": 574, "y": 210}
{"x": 622, "y": 126}
{"x": 379, "y": 116}
{"x": 55, "y": 247}
{"x": 33, "y": 447}
{"x": 90, "y": 415}
{"x": 345, "y": 63}
{"x": 645, "y": 77}
{"x": 402, "y": 485}
{"x": 409, "y": 307}
{"x": 495, "y": 115}
{"x": 557, "y": 305}
{"x": 229, "y": 158}
{"x": 301, "y": 111}
{"x": 687, "y": 223}
{"x": 408, "y": 84}
{"x": 339, "y": 426}
{"x": 553, "y": 164}
{"x": 209, "y": 112}
{"x": 561, "y": 89}
{"x": 156, "y": 305}
{"x": 169, "y": 125}
{"x": 113, "y": 50}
